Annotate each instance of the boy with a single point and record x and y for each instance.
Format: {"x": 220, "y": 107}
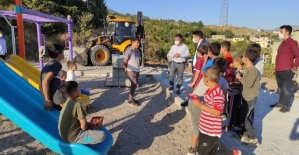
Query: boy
{"x": 200, "y": 62}
{"x": 3, "y": 47}
{"x": 72, "y": 66}
{"x": 234, "y": 96}
{"x": 212, "y": 107}
{"x": 72, "y": 125}
{"x": 213, "y": 52}
{"x": 225, "y": 48}
{"x": 258, "y": 63}
{"x": 251, "y": 86}
{"x": 50, "y": 79}
{"x": 63, "y": 75}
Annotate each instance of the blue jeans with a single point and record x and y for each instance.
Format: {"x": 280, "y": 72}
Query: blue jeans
{"x": 85, "y": 91}
{"x": 284, "y": 82}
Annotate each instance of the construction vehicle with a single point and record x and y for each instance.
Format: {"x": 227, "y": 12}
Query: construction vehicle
{"x": 115, "y": 39}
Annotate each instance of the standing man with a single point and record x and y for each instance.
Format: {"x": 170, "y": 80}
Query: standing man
{"x": 179, "y": 53}
{"x": 132, "y": 68}
{"x": 286, "y": 64}
{"x": 198, "y": 40}
{"x": 3, "y": 48}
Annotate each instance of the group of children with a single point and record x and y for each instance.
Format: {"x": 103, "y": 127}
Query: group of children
{"x": 222, "y": 85}
{"x": 57, "y": 87}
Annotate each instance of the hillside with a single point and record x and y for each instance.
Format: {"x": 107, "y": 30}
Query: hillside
{"x": 236, "y": 30}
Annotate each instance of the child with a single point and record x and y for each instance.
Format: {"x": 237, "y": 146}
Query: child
{"x": 258, "y": 63}
{"x": 63, "y": 75}
{"x": 72, "y": 66}
{"x": 213, "y": 52}
{"x": 220, "y": 63}
{"x": 234, "y": 96}
{"x": 200, "y": 62}
{"x": 212, "y": 107}
{"x": 225, "y": 48}
{"x": 251, "y": 86}
{"x": 50, "y": 79}
{"x": 72, "y": 125}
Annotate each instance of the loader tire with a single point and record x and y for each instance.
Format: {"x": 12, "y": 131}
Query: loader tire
{"x": 99, "y": 55}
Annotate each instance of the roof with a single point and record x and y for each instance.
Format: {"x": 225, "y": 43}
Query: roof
{"x": 33, "y": 16}
{"x": 118, "y": 19}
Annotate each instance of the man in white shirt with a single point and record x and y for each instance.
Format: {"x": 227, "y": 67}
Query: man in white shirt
{"x": 178, "y": 53}
{"x": 3, "y": 48}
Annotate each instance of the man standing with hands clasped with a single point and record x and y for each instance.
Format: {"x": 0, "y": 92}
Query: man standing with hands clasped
{"x": 178, "y": 53}
{"x": 286, "y": 64}
{"x": 132, "y": 68}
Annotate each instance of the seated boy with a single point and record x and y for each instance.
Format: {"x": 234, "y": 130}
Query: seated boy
{"x": 210, "y": 123}
{"x": 50, "y": 79}
{"x": 72, "y": 125}
{"x": 72, "y": 66}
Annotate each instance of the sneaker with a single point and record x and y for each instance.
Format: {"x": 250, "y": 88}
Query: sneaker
{"x": 192, "y": 151}
{"x": 178, "y": 91}
{"x": 170, "y": 88}
{"x": 184, "y": 104}
{"x": 249, "y": 141}
{"x": 284, "y": 109}
{"x": 244, "y": 139}
{"x": 137, "y": 102}
{"x": 132, "y": 103}
{"x": 237, "y": 152}
{"x": 276, "y": 105}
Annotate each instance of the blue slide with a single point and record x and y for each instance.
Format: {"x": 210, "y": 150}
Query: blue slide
{"x": 22, "y": 104}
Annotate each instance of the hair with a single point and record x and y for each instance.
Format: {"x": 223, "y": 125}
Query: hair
{"x": 287, "y": 28}
{"x": 221, "y": 63}
{"x": 214, "y": 47}
{"x": 202, "y": 49}
{"x": 256, "y": 47}
{"x": 212, "y": 74}
{"x": 67, "y": 88}
{"x": 62, "y": 72}
{"x": 239, "y": 59}
{"x": 70, "y": 64}
{"x": 226, "y": 44}
{"x": 198, "y": 33}
{"x": 251, "y": 54}
{"x": 179, "y": 35}
{"x": 54, "y": 50}
{"x": 134, "y": 39}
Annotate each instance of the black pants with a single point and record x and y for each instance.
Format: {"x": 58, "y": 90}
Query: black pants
{"x": 248, "y": 107}
{"x": 284, "y": 82}
{"x": 208, "y": 145}
{"x": 2, "y": 56}
{"x": 234, "y": 110}
{"x": 134, "y": 82}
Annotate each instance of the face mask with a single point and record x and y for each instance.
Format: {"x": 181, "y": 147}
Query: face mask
{"x": 1, "y": 35}
{"x": 281, "y": 36}
{"x": 176, "y": 42}
{"x": 194, "y": 40}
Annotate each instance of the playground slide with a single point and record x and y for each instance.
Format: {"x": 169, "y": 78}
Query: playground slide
{"x": 32, "y": 75}
{"x": 22, "y": 104}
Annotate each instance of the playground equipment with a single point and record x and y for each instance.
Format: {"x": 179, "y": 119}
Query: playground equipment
{"x": 38, "y": 18}
{"x": 22, "y": 104}
{"x": 32, "y": 75}
{"x": 115, "y": 39}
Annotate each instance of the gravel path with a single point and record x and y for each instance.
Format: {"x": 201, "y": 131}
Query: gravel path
{"x": 150, "y": 129}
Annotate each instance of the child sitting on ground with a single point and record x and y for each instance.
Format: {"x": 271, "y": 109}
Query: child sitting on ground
{"x": 72, "y": 125}
{"x": 234, "y": 96}
{"x": 200, "y": 62}
{"x": 210, "y": 118}
{"x": 251, "y": 85}
{"x": 72, "y": 66}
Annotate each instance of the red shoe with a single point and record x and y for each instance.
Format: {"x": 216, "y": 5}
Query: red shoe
{"x": 237, "y": 152}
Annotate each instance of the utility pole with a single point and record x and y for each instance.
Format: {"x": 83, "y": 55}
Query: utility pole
{"x": 224, "y": 13}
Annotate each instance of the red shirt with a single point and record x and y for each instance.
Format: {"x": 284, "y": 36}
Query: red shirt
{"x": 197, "y": 68}
{"x": 287, "y": 52}
{"x": 228, "y": 57}
{"x": 210, "y": 124}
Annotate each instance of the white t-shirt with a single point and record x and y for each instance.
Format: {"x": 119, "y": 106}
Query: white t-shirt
{"x": 70, "y": 76}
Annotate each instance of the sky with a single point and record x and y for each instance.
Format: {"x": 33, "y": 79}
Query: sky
{"x": 255, "y": 14}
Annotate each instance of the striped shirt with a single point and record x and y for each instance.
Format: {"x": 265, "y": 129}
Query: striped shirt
{"x": 210, "y": 124}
